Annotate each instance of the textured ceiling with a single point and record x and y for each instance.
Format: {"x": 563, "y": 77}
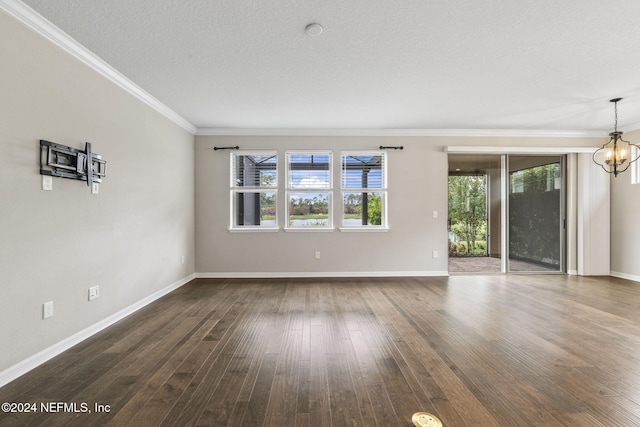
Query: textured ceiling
{"x": 379, "y": 64}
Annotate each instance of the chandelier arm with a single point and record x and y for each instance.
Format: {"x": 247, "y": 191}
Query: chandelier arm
{"x": 593, "y": 157}
{"x": 622, "y": 170}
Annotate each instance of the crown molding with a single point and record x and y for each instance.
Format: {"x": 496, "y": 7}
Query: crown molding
{"x": 470, "y": 149}
{"x": 37, "y": 23}
{"x": 402, "y": 132}
{"x": 631, "y": 128}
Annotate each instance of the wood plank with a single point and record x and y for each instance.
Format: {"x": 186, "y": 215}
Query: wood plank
{"x": 500, "y": 350}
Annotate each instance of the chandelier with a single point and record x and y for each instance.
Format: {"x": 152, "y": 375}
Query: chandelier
{"x": 616, "y": 155}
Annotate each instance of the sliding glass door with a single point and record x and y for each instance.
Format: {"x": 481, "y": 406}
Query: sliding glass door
{"x": 474, "y": 214}
{"x": 535, "y": 213}
{"x": 506, "y": 213}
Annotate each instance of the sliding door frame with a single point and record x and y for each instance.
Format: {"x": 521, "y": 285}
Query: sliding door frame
{"x": 576, "y": 177}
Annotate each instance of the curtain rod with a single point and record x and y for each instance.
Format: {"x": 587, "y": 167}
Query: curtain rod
{"x": 226, "y": 148}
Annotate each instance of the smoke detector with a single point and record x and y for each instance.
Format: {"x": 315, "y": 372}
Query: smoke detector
{"x": 314, "y": 29}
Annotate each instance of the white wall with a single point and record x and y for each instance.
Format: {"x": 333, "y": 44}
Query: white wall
{"x": 406, "y": 248}
{"x": 129, "y": 239}
{"x": 625, "y": 222}
{"x": 417, "y": 187}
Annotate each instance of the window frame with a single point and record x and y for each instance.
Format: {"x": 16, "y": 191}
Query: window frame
{"x": 383, "y": 190}
{"x": 235, "y": 189}
{"x": 289, "y": 190}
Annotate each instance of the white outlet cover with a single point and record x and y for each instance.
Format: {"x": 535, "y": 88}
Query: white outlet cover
{"x": 95, "y": 188}
{"x": 94, "y": 292}
{"x": 47, "y": 309}
{"x": 47, "y": 182}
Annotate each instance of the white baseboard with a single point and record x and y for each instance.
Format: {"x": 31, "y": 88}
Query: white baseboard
{"x": 572, "y": 272}
{"x": 39, "y": 358}
{"x": 625, "y": 276}
{"x": 300, "y": 274}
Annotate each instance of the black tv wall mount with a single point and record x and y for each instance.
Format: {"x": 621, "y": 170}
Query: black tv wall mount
{"x": 66, "y": 162}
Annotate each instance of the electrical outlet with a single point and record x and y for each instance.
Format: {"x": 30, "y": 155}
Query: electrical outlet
{"x": 47, "y": 182}
{"x": 317, "y": 254}
{"x": 435, "y": 254}
{"x": 95, "y": 188}
{"x": 182, "y": 259}
{"x": 47, "y": 309}
{"x": 435, "y": 214}
{"x": 94, "y": 292}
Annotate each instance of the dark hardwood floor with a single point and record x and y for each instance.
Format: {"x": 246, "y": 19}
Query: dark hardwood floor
{"x": 515, "y": 350}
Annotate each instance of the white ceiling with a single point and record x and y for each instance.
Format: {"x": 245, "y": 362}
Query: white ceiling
{"x": 411, "y": 64}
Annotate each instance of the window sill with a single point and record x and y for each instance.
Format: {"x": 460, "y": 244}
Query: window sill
{"x": 364, "y": 229}
{"x": 254, "y": 230}
{"x": 309, "y": 230}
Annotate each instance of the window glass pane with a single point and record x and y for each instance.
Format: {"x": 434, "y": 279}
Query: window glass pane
{"x": 309, "y": 170}
{"x": 254, "y": 183}
{"x": 535, "y": 215}
{"x": 363, "y": 171}
{"x": 309, "y": 209}
{"x": 362, "y": 209}
{"x": 255, "y": 208}
{"x": 254, "y": 170}
{"x": 536, "y": 179}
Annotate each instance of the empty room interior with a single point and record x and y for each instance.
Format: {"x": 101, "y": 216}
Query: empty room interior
{"x": 319, "y": 213}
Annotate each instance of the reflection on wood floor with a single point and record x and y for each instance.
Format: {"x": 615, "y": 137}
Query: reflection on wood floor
{"x": 486, "y": 264}
{"x": 493, "y": 350}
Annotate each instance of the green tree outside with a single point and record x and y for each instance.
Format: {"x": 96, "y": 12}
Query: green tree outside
{"x": 374, "y": 209}
{"x": 468, "y": 211}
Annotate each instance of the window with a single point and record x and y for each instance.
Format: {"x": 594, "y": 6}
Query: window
{"x": 254, "y": 190}
{"x": 364, "y": 189}
{"x": 309, "y": 188}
